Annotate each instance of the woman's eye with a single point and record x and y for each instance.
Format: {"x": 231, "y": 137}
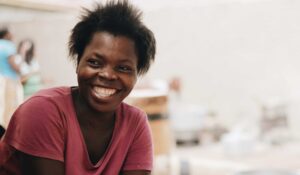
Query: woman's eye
{"x": 93, "y": 63}
{"x": 126, "y": 69}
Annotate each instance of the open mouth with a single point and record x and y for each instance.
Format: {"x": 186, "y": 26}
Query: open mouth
{"x": 101, "y": 92}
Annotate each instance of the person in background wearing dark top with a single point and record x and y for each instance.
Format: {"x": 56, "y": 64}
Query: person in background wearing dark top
{"x": 10, "y": 74}
{"x": 88, "y": 129}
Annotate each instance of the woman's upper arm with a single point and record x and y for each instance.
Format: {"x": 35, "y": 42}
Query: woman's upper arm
{"x": 37, "y": 129}
{"x": 11, "y": 61}
{"x": 32, "y": 165}
{"x": 37, "y": 133}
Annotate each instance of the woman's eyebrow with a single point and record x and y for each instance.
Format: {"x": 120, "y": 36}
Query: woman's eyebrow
{"x": 128, "y": 61}
{"x": 121, "y": 60}
{"x": 98, "y": 55}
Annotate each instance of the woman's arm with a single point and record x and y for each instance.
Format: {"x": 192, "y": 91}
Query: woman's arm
{"x": 37, "y": 132}
{"x": 13, "y": 64}
{"x": 32, "y": 165}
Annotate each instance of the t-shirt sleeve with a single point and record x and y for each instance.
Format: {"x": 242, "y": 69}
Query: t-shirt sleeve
{"x": 11, "y": 49}
{"x": 140, "y": 155}
{"x": 37, "y": 129}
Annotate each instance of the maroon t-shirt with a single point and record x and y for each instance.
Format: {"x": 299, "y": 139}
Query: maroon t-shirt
{"x": 46, "y": 126}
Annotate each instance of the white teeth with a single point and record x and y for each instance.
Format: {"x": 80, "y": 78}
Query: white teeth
{"x": 104, "y": 92}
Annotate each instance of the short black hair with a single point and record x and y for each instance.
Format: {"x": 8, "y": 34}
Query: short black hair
{"x": 3, "y": 32}
{"x": 118, "y": 18}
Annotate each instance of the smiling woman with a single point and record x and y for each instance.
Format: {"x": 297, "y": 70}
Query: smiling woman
{"x": 107, "y": 70}
{"x": 88, "y": 129}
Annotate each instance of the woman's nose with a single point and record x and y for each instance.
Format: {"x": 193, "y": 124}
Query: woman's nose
{"x": 107, "y": 72}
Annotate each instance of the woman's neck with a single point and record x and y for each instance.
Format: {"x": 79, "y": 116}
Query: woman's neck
{"x": 83, "y": 109}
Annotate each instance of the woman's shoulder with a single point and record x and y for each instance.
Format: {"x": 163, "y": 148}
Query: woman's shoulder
{"x": 131, "y": 109}
{"x": 54, "y": 95}
{"x": 8, "y": 46}
{"x": 7, "y": 42}
{"x": 54, "y": 92}
{"x": 132, "y": 113}
{"x": 48, "y": 103}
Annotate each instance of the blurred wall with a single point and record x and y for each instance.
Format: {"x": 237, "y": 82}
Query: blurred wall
{"x": 232, "y": 56}
{"x": 50, "y": 31}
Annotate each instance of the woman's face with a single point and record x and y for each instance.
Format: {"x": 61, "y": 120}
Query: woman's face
{"x": 107, "y": 71}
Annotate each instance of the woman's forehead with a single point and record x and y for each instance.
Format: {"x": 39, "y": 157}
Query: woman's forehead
{"x": 104, "y": 44}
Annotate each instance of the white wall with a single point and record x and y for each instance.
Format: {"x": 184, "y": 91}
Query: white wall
{"x": 231, "y": 55}
{"x": 50, "y": 32}
{"x": 51, "y": 40}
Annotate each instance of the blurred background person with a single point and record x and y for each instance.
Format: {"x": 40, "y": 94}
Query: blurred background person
{"x": 29, "y": 68}
{"x": 10, "y": 75}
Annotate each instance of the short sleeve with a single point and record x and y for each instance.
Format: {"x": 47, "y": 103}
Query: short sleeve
{"x": 140, "y": 155}
{"x": 11, "y": 49}
{"x": 37, "y": 128}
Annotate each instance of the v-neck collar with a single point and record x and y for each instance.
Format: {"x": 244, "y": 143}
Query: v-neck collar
{"x": 78, "y": 128}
